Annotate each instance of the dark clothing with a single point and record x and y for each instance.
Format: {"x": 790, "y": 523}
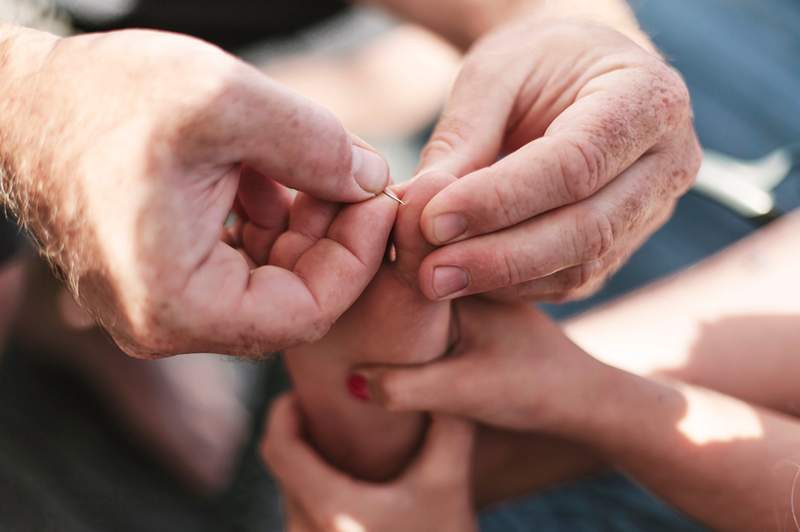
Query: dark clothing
{"x": 228, "y": 23}
{"x": 10, "y": 238}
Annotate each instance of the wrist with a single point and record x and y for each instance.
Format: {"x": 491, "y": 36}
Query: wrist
{"x": 576, "y": 403}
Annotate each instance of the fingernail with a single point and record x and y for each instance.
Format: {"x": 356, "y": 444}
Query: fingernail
{"x": 447, "y": 280}
{"x": 370, "y": 170}
{"x": 358, "y": 387}
{"x": 446, "y": 227}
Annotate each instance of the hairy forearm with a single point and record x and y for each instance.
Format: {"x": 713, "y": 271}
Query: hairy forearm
{"x": 465, "y": 21}
{"x": 23, "y": 125}
{"x": 727, "y": 463}
{"x": 729, "y": 324}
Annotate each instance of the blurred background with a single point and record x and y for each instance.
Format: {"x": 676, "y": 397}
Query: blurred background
{"x": 92, "y": 440}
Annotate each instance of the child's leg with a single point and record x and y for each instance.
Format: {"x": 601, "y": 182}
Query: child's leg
{"x": 391, "y": 323}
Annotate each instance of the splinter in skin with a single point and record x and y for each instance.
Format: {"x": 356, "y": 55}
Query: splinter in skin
{"x": 392, "y": 323}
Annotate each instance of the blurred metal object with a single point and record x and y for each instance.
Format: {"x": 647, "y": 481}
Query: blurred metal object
{"x": 746, "y": 186}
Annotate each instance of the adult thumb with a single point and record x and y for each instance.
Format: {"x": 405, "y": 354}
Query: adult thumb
{"x": 300, "y": 144}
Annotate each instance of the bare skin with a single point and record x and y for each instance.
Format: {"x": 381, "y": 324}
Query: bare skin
{"x": 392, "y": 323}
{"x": 719, "y": 456}
{"x": 132, "y": 289}
{"x": 572, "y": 139}
{"x": 126, "y": 172}
{"x": 177, "y": 145}
{"x": 432, "y": 495}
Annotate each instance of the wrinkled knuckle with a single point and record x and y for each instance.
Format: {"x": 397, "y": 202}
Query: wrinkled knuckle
{"x": 588, "y": 274}
{"x": 576, "y": 278}
{"x": 595, "y": 234}
{"x": 511, "y": 271}
{"x": 582, "y": 163}
{"x": 684, "y": 167}
{"x": 449, "y": 135}
{"x": 508, "y": 210}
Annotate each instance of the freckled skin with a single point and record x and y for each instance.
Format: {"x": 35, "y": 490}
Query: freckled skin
{"x": 126, "y": 173}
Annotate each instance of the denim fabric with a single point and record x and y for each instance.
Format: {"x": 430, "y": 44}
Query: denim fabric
{"x": 610, "y": 503}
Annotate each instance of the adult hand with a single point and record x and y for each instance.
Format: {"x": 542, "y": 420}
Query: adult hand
{"x": 597, "y": 144}
{"x": 512, "y": 368}
{"x": 432, "y": 495}
{"x": 124, "y": 154}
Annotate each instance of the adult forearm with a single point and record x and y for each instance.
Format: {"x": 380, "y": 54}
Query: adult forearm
{"x": 464, "y": 21}
{"x": 720, "y": 460}
{"x": 22, "y": 185}
{"x": 734, "y": 315}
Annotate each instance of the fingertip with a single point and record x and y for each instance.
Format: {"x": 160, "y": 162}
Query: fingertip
{"x": 439, "y": 222}
{"x": 369, "y": 170}
{"x": 444, "y": 278}
{"x": 381, "y": 386}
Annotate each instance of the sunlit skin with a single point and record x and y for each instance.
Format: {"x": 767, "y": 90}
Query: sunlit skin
{"x": 127, "y": 192}
{"x": 726, "y": 462}
{"x": 108, "y": 184}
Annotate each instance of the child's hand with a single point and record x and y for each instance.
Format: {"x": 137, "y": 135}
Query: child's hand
{"x": 513, "y": 368}
{"x": 432, "y": 495}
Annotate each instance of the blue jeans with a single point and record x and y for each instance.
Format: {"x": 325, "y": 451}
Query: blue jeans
{"x": 607, "y": 503}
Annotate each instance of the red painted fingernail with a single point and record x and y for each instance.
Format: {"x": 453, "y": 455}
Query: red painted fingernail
{"x": 358, "y": 387}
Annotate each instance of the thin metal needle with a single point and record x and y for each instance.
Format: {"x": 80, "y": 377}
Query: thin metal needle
{"x": 389, "y": 194}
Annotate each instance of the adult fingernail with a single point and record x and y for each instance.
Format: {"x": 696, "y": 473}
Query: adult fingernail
{"x": 358, "y": 387}
{"x": 447, "y": 280}
{"x": 447, "y": 227}
{"x": 370, "y": 170}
